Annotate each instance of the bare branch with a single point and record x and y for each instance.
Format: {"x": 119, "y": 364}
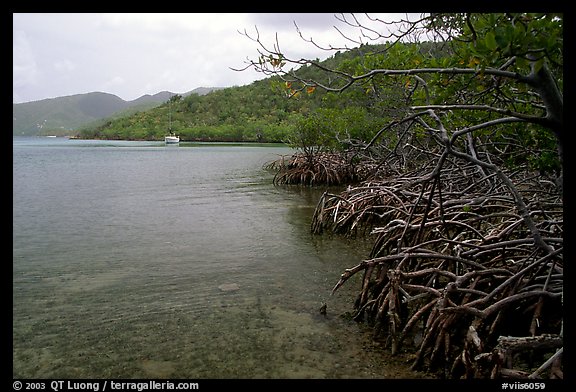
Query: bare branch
{"x": 525, "y": 117}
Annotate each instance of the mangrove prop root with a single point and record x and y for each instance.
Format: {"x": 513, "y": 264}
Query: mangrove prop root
{"x": 454, "y": 262}
{"x": 330, "y": 168}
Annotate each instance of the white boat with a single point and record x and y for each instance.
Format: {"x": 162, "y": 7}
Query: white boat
{"x": 171, "y": 139}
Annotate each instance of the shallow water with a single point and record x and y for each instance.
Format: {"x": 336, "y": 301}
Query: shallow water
{"x": 138, "y": 260}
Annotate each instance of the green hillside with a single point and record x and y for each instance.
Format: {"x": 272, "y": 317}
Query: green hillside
{"x": 65, "y": 115}
{"x": 269, "y": 110}
{"x": 62, "y": 114}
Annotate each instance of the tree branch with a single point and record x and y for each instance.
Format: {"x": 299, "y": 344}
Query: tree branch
{"x": 526, "y": 117}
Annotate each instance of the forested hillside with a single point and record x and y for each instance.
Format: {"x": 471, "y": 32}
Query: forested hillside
{"x": 268, "y": 110}
{"x": 65, "y": 115}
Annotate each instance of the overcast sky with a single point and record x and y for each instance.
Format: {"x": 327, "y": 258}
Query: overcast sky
{"x": 130, "y": 55}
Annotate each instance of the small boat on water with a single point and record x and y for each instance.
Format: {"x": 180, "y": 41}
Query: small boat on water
{"x": 172, "y": 139}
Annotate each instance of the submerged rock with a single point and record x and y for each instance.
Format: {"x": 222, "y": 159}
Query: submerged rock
{"x": 229, "y": 287}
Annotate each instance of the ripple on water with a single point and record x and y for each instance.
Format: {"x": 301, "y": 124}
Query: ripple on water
{"x": 141, "y": 262}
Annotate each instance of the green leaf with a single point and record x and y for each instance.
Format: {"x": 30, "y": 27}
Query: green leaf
{"x": 491, "y": 41}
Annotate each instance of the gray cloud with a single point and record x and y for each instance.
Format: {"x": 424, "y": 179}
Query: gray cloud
{"x": 286, "y": 21}
{"x": 135, "y": 54}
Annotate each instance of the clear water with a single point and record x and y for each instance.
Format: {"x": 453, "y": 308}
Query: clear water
{"x": 139, "y": 260}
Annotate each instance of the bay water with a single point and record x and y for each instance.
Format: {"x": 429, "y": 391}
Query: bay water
{"x": 139, "y": 260}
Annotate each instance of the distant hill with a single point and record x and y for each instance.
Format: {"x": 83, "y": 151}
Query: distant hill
{"x": 63, "y": 115}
